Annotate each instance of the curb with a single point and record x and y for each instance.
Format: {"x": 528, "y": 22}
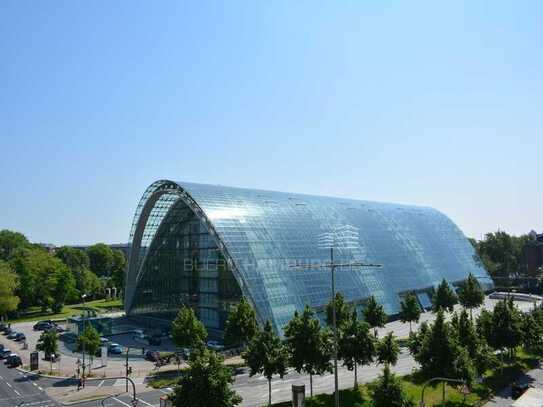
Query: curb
{"x": 95, "y": 398}
{"x": 42, "y": 375}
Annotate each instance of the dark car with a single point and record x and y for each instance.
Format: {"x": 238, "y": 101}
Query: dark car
{"x": 20, "y": 337}
{"x": 5, "y": 353}
{"x": 42, "y": 326}
{"x": 2, "y": 326}
{"x": 13, "y": 335}
{"x": 7, "y": 330}
{"x": 14, "y": 360}
{"x": 152, "y": 356}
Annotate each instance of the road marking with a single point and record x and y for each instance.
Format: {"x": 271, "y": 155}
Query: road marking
{"x": 40, "y": 388}
{"x": 9, "y": 385}
{"x": 122, "y": 402}
{"x": 101, "y": 383}
{"x": 144, "y": 402}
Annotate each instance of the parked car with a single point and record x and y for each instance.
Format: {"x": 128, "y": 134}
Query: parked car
{"x": 20, "y": 337}
{"x": 215, "y": 345}
{"x": 2, "y": 326}
{"x": 5, "y": 353}
{"x": 104, "y": 341}
{"x": 14, "y": 360}
{"x": 152, "y": 356}
{"x": 42, "y": 325}
{"x": 7, "y": 330}
{"x": 13, "y": 335}
{"x": 1, "y": 347}
{"x": 53, "y": 357}
{"x": 115, "y": 349}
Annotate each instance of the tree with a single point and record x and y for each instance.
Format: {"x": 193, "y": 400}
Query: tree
{"x": 343, "y": 312}
{"x": 476, "y": 346}
{"x": 241, "y": 325}
{"x": 11, "y": 241}
{"x": 507, "y": 327}
{"x": 206, "y": 383}
{"x": 118, "y": 269}
{"x": 79, "y": 264}
{"x": 388, "y": 350}
{"x": 88, "y": 342}
{"x": 308, "y": 345}
{"x": 266, "y": 354}
{"x": 374, "y": 314}
{"x": 389, "y": 392}
{"x": 410, "y": 310}
{"x": 187, "y": 330}
{"x": 471, "y": 294}
{"x": 439, "y": 349}
{"x": 101, "y": 259}
{"x": 444, "y": 298}
{"x": 64, "y": 288}
{"x": 8, "y": 299}
{"x": 356, "y": 345}
{"x": 48, "y": 343}
{"x": 533, "y": 334}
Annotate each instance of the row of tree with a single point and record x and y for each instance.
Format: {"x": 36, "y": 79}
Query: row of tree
{"x": 36, "y": 277}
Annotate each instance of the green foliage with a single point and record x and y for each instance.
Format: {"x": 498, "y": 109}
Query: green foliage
{"x": 48, "y": 343}
{"x": 118, "y": 269}
{"x": 389, "y": 392}
{"x": 187, "y": 330}
{"x": 374, "y": 314}
{"x": 241, "y": 325}
{"x": 388, "y": 350}
{"x": 101, "y": 259}
{"x": 471, "y": 294}
{"x": 10, "y": 242}
{"x": 444, "y": 298}
{"x": 206, "y": 384}
{"x": 507, "y": 327}
{"x": 267, "y": 355}
{"x": 308, "y": 345}
{"x": 88, "y": 341}
{"x": 502, "y": 255}
{"x": 356, "y": 346}
{"x": 63, "y": 289}
{"x": 79, "y": 264}
{"x": 343, "y": 312}
{"x": 8, "y": 287}
{"x": 410, "y": 309}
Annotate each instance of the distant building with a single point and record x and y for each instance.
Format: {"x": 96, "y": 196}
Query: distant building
{"x": 533, "y": 254}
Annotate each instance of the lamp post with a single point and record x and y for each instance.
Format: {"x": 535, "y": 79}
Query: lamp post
{"x": 343, "y": 237}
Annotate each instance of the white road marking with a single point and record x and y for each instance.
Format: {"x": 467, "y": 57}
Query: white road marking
{"x": 101, "y": 383}
{"x": 16, "y": 392}
{"x": 147, "y": 404}
{"x": 9, "y": 385}
{"x": 122, "y": 402}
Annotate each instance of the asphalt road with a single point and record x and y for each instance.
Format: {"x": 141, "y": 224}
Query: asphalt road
{"x": 20, "y": 390}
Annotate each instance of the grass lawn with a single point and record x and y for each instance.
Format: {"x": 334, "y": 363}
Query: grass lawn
{"x": 99, "y": 306}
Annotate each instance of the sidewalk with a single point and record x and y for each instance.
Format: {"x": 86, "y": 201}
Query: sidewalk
{"x": 70, "y": 395}
{"x": 503, "y": 398}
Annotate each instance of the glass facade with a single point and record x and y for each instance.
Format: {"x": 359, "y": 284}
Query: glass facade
{"x": 207, "y": 245}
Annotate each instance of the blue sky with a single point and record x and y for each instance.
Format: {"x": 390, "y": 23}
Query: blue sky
{"x": 421, "y": 102}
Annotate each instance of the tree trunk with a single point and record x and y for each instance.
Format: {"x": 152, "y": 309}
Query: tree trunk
{"x": 375, "y": 332}
{"x": 269, "y": 391}
{"x": 51, "y": 364}
{"x": 355, "y": 377}
{"x": 471, "y": 314}
{"x": 311, "y": 384}
{"x": 410, "y": 329}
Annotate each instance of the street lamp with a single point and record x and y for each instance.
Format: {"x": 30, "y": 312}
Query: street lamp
{"x": 344, "y": 237}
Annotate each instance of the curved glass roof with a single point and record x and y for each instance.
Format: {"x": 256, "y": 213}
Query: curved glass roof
{"x": 263, "y": 233}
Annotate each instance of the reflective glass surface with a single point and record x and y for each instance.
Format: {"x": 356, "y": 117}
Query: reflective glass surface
{"x": 262, "y": 234}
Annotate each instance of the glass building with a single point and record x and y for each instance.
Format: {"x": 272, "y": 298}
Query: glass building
{"x": 205, "y": 246}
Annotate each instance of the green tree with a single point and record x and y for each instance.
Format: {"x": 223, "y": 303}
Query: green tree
{"x": 79, "y": 264}
{"x": 410, "y": 310}
{"x": 357, "y": 346}
{"x": 416, "y": 339}
{"x": 63, "y": 289}
{"x": 388, "y": 350}
{"x": 48, "y": 343}
{"x": 118, "y": 269}
{"x": 439, "y": 349}
{"x": 308, "y": 345}
{"x": 444, "y": 298}
{"x": 241, "y": 325}
{"x": 11, "y": 241}
{"x": 187, "y": 330}
{"x": 8, "y": 300}
{"x": 532, "y": 334}
{"x": 267, "y": 355}
{"x": 507, "y": 327}
{"x": 88, "y": 342}
{"x": 206, "y": 384}
{"x": 471, "y": 294}
{"x": 389, "y": 392}
{"x": 476, "y": 346}
{"x": 343, "y": 312}
{"x": 374, "y": 314}
{"x": 101, "y": 259}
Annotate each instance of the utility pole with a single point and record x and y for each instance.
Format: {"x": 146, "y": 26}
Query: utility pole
{"x": 126, "y": 366}
{"x": 345, "y": 238}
